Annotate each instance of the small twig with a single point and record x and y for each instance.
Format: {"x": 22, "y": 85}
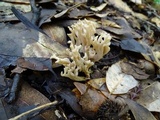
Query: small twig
{"x": 14, "y": 89}
{"x": 23, "y": 115}
{"x": 154, "y": 11}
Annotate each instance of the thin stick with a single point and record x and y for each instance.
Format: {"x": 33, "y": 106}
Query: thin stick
{"x": 18, "y": 117}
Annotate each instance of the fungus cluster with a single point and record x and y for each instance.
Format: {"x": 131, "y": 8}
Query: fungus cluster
{"x": 87, "y": 46}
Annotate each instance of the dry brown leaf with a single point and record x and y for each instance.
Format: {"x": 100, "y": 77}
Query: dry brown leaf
{"x": 81, "y": 87}
{"x": 97, "y": 74}
{"x": 149, "y": 67}
{"x": 34, "y": 64}
{"x": 89, "y": 98}
{"x": 31, "y": 96}
{"x": 90, "y": 101}
{"x": 96, "y": 83}
{"x": 55, "y": 32}
{"x": 133, "y": 70}
{"x": 126, "y": 31}
{"x": 18, "y": 70}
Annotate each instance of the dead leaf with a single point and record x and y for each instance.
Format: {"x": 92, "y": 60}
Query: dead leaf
{"x": 18, "y": 70}
{"x": 56, "y": 32}
{"x": 126, "y": 31}
{"x": 122, "y": 6}
{"x": 133, "y": 70}
{"x": 97, "y": 74}
{"x": 31, "y": 96}
{"x": 135, "y": 46}
{"x": 139, "y": 112}
{"x": 156, "y": 21}
{"x": 77, "y": 13}
{"x": 90, "y": 101}
{"x": 134, "y": 22}
{"x": 81, "y": 87}
{"x": 35, "y": 63}
{"x": 29, "y": 49}
{"x": 96, "y": 83}
{"x": 118, "y": 82}
{"x": 26, "y": 43}
{"x": 153, "y": 57}
{"x": 141, "y": 16}
{"x": 150, "y": 96}
{"x": 99, "y": 8}
{"x": 149, "y": 67}
{"x": 105, "y": 22}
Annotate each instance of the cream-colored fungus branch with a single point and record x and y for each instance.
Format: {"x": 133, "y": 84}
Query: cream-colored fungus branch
{"x": 86, "y": 47}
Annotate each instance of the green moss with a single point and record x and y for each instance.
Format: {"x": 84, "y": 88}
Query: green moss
{"x": 157, "y": 1}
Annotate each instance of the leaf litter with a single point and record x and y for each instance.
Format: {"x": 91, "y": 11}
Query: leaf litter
{"x": 115, "y": 85}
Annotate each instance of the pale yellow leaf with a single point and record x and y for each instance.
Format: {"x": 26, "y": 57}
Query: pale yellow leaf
{"x": 156, "y": 21}
{"x": 118, "y": 82}
{"x": 110, "y": 23}
{"x": 154, "y": 106}
{"x": 121, "y": 5}
{"x": 99, "y": 8}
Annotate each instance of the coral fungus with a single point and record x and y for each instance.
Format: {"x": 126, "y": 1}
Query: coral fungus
{"x": 86, "y": 47}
